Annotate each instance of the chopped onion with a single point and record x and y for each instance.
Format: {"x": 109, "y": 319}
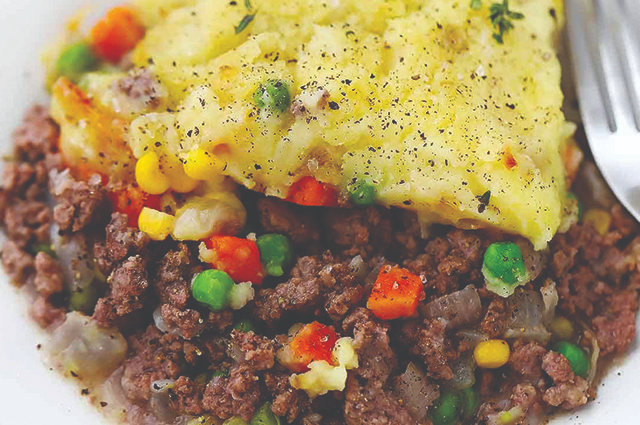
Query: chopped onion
{"x": 526, "y": 317}
{"x": 359, "y": 267}
{"x": 458, "y": 309}
{"x": 158, "y": 320}
{"x": 73, "y": 255}
{"x": 595, "y": 354}
{"x": 550, "y": 299}
{"x": 416, "y": 391}
{"x": 85, "y": 350}
{"x": 534, "y": 260}
{"x": 112, "y": 393}
{"x": 464, "y": 373}
{"x": 471, "y": 337}
{"x": 159, "y": 401}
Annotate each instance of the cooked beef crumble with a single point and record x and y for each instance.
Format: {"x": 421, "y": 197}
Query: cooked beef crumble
{"x": 225, "y": 372}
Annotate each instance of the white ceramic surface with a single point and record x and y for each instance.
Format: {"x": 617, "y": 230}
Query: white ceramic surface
{"x": 29, "y": 392}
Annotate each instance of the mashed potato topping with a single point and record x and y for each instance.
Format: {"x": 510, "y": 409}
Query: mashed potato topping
{"x": 415, "y": 97}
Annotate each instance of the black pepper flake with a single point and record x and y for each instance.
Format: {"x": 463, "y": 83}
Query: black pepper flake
{"x": 334, "y": 106}
{"x": 103, "y": 404}
{"x": 510, "y": 105}
{"x": 85, "y": 391}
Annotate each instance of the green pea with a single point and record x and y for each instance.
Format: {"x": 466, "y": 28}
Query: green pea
{"x": 573, "y": 197}
{"x": 362, "y": 193}
{"x": 75, "y": 60}
{"x": 446, "y": 409}
{"x": 244, "y": 325}
{"x": 276, "y": 253}
{"x": 213, "y": 288}
{"x": 84, "y": 299}
{"x": 273, "y": 95}
{"x": 503, "y": 260}
{"x": 264, "y": 416}
{"x": 234, "y": 421}
{"x": 577, "y": 357}
{"x": 224, "y": 373}
{"x": 470, "y": 402}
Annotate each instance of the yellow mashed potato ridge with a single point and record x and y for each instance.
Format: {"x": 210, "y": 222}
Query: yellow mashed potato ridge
{"x": 416, "y": 97}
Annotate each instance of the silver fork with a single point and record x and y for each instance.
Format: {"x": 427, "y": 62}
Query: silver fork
{"x": 605, "y": 49}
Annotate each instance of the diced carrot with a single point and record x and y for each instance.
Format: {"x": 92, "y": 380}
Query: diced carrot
{"x": 311, "y": 192}
{"x": 396, "y": 293}
{"x": 314, "y": 341}
{"x": 238, "y": 257}
{"x": 131, "y": 200}
{"x": 116, "y": 34}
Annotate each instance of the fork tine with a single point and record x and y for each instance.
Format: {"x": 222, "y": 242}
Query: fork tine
{"x": 592, "y": 95}
{"x": 631, "y": 16}
{"x": 613, "y": 46}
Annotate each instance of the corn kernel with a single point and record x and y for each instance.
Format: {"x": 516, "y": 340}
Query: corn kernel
{"x": 561, "y": 328}
{"x": 156, "y": 224}
{"x": 178, "y": 180}
{"x": 599, "y": 219}
{"x": 148, "y": 174}
{"x": 492, "y": 354}
{"x": 202, "y": 165}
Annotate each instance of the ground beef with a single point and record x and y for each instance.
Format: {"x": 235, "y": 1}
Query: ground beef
{"x": 526, "y": 359}
{"x": 81, "y": 206}
{"x": 358, "y": 231}
{"x": 288, "y": 402}
{"x": 37, "y": 137}
{"x": 557, "y": 367}
{"x": 376, "y": 358}
{"x": 302, "y": 292}
{"x": 570, "y": 391}
{"x": 186, "y": 396}
{"x": 121, "y": 241}
{"x": 25, "y": 180}
{"x": 18, "y": 263}
{"x": 526, "y": 397}
{"x": 568, "y": 395}
{"x": 152, "y": 356}
{"x": 27, "y": 222}
{"x": 407, "y": 234}
{"x": 128, "y": 284}
{"x": 45, "y": 313}
{"x": 428, "y": 341}
{"x": 48, "y": 279}
{"x": 496, "y": 319}
{"x": 173, "y": 277}
{"x": 258, "y": 352}
{"x": 237, "y": 395}
{"x": 372, "y": 405}
{"x": 188, "y": 323}
{"x": 298, "y": 223}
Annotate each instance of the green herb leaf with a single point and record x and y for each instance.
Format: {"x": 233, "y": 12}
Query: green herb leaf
{"x": 476, "y": 4}
{"x": 500, "y": 17}
{"x": 247, "y": 4}
{"x": 244, "y": 23}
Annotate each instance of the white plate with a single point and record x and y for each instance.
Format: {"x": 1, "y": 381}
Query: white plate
{"x": 29, "y": 392}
